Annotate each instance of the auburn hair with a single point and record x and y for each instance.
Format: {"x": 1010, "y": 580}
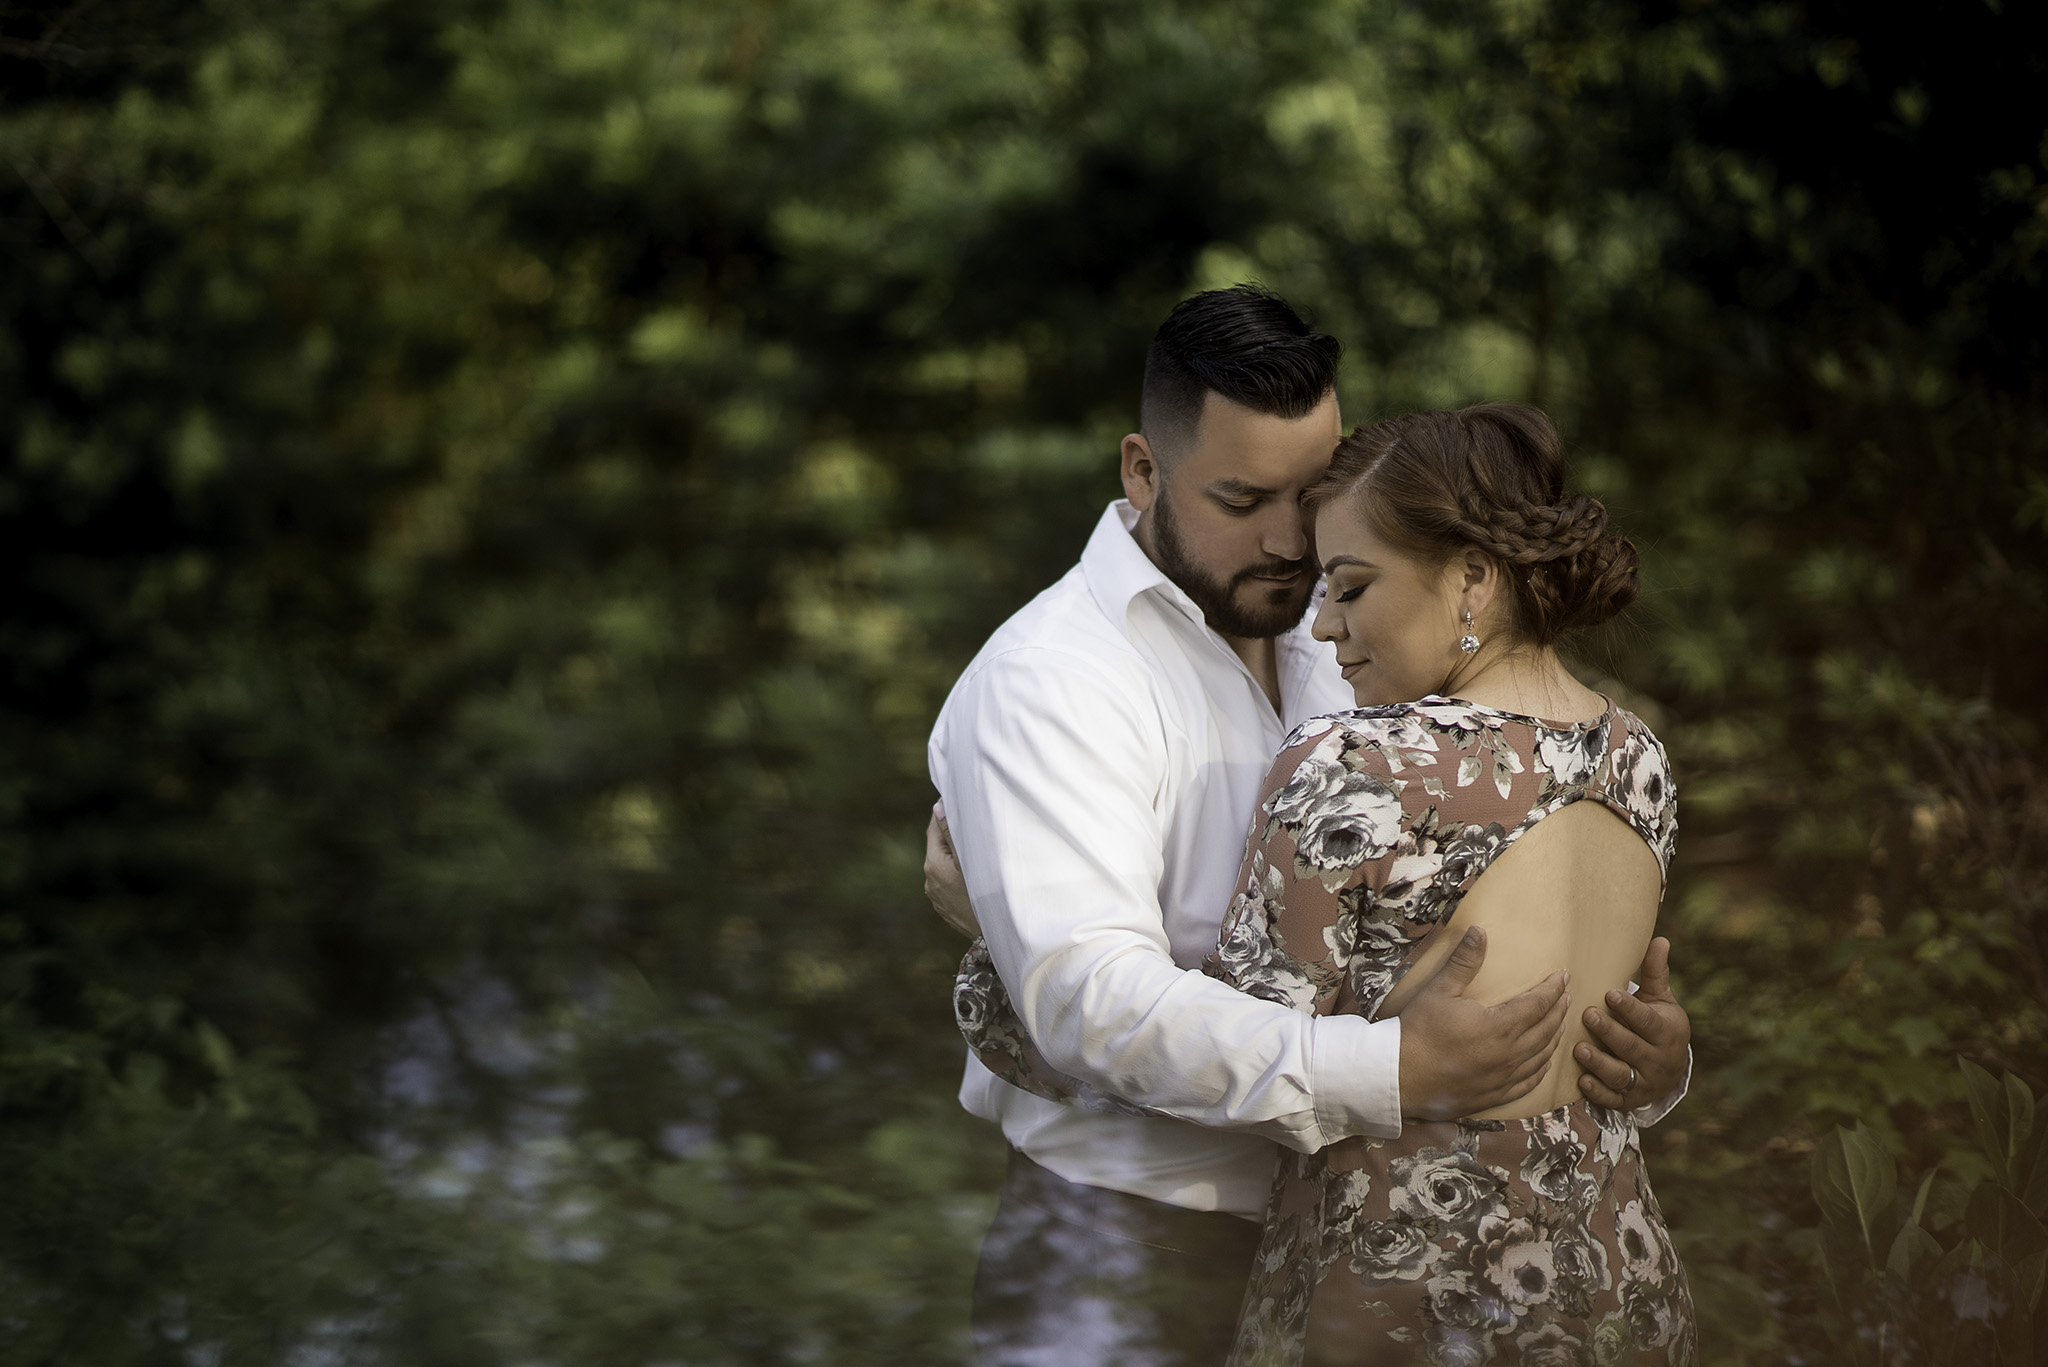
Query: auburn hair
{"x": 1491, "y": 478}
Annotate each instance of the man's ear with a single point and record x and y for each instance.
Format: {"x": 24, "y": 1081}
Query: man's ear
{"x": 1140, "y": 471}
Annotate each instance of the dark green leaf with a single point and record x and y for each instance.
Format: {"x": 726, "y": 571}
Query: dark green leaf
{"x": 1990, "y": 1112}
{"x": 2019, "y": 1104}
{"x": 2005, "y": 1226}
{"x": 1914, "y": 1250}
{"x": 1919, "y": 1209}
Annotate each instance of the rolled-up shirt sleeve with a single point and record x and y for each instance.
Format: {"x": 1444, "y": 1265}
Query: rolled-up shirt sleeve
{"x": 1051, "y": 769}
{"x": 1650, "y": 1113}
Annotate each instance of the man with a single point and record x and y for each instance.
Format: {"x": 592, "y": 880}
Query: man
{"x": 1099, "y": 761}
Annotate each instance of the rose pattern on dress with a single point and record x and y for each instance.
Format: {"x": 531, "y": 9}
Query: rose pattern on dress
{"x": 1339, "y": 815}
{"x": 1446, "y": 1191}
{"x": 1519, "y": 1261}
{"x": 1344, "y": 1200}
{"x": 982, "y": 1009}
{"x": 1369, "y": 952}
{"x": 1617, "y": 1133}
{"x": 1535, "y": 1241}
{"x": 1393, "y": 1251}
{"x": 1431, "y": 868}
{"x": 1572, "y": 757}
{"x": 1552, "y": 1167}
{"x": 1252, "y": 954}
{"x": 1472, "y": 1260}
{"x": 1582, "y": 1276}
{"x": 1648, "y": 798}
{"x": 1551, "y": 1346}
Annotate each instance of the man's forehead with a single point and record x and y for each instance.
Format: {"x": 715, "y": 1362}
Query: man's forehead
{"x": 1240, "y": 450}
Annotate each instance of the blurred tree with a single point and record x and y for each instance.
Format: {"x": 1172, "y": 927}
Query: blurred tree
{"x": 494, "y": 493}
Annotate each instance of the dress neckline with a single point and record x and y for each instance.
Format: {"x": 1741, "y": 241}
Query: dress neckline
{"x": 1547, "y": 723}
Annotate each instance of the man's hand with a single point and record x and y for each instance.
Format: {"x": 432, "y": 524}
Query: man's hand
{"x": 1648, "y": 1033}
{"x": 1459, "y": 1056}
{"x": 944, "y": 884}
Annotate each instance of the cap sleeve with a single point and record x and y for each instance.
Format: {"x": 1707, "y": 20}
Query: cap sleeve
{"x": 1336, "y": 813}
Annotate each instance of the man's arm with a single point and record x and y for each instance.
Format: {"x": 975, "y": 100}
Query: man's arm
{"x": 1048, "y": 767}
{"x": 1063, "y": 856}
{"x": 1448, "y": 1079}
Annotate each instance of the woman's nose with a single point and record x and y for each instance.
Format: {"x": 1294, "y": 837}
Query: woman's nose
{"x": 1329, "y": 623}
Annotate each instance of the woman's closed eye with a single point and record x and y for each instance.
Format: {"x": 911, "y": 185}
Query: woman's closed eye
{"x": 1350, "y": 594}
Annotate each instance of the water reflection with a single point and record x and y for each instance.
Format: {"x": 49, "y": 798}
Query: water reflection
{"x": 1073, "y": 1275}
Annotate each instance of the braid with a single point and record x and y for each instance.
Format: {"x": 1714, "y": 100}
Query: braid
{"x": 1532, "y": 533}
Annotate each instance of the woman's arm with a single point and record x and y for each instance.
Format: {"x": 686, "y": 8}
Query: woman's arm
{"x": 988, "y": 1022}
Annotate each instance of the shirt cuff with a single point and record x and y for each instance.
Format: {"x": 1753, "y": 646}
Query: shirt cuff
{"x": 1355, "y": 1075}
{"x": 1645, "y": 1116}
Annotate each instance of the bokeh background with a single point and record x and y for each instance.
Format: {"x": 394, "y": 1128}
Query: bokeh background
{"x": 493, "y": 493}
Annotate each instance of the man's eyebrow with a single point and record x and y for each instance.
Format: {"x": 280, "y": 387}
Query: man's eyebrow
{"x": 1331, "y": 565}
{"x": 1238, "y": 488}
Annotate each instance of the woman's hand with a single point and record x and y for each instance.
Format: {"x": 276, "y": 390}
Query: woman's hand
{"x": 1645, "y": 1040}
{"x": 944, "y": 884}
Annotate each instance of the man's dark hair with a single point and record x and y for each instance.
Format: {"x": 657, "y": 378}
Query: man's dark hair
{"x": 1245, "y": 343}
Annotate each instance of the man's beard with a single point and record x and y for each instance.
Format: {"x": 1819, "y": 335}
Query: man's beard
{"x": 1272, "y": 609}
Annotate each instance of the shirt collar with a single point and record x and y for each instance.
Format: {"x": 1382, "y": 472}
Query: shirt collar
{"x": 1118, "y": 570}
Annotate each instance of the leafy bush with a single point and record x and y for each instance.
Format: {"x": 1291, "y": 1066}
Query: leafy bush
{"x": 492, "y": 494}
{"x": 1952, "y": 1271}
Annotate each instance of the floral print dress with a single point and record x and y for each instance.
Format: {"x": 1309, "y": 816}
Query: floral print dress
{"x": 1462, "y": 1242}
{"x": 1536, "y": 1241}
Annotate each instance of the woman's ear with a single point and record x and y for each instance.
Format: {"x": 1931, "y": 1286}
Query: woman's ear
{"x": 1479, "y": 576}
{"x": 1140, "y": 472}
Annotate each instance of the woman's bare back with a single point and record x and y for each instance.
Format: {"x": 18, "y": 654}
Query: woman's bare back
{"x": 1577, "y": 891}
{"x": 1387, "y": 831}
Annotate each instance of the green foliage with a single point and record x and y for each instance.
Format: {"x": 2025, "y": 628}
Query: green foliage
{"x": 492, "y": 494}
{"x": 1900, "y": 1294}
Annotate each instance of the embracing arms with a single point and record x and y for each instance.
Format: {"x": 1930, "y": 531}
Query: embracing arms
{"x": 1050, "y": 774}
{"x": 1063, "y": 861}
{"x": 1457, "y": 1056}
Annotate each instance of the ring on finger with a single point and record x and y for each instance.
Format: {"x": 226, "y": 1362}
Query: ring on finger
{"x": 1630, "y": 1084}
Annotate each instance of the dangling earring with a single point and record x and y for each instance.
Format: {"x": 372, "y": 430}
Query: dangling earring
{"x": 1468, "y": 642}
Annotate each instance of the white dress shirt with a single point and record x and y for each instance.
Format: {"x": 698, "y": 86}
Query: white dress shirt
{"x": 1100, "y": 760}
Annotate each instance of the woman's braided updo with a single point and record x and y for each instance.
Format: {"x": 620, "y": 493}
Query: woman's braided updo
{"x": 1491, "y": 478}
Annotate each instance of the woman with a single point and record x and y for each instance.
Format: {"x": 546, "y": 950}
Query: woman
{"x": 1454, "y": 563}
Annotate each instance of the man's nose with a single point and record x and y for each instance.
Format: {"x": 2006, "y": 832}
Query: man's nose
{"x": 1286, "y": 536}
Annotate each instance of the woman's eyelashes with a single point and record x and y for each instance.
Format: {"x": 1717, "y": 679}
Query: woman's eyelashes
{"x": 1350, "y": 594}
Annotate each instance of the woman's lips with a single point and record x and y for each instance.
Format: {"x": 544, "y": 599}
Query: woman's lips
{"x": 1348, "y": 670}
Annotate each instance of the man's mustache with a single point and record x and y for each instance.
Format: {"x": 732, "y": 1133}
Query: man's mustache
{"x": 1270, "y": 569}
